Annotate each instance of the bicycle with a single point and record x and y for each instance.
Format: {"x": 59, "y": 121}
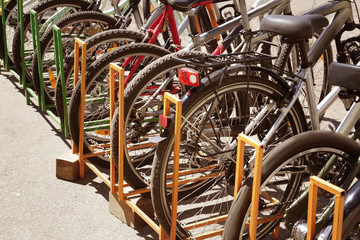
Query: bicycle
{"x": 285, "y": 185}
{"x": 51, "y": 11}
{"x": 100, "y": 47}
{"x": 315, "y": 152}
{"x": 152, "y": 87}
{"x": 250, "y": 99}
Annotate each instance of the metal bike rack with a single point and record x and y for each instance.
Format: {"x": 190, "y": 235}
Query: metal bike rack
{"x": 59, "y": 67}
{"x": 36, "y": 47}
{"x": 315, "y": 183}
{"x": 20, "y": 15}
{"x": 5, "y": 62}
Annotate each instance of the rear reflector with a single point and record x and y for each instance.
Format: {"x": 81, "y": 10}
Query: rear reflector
{"x": 189, "y": 77}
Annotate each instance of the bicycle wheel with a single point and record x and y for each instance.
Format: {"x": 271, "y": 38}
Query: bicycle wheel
{"x": 97, "y": 111}
{"x": 144, "y": 102}
{"x": 285, "y": 176}
{"x": 213, "y": 116}
{"x": 97, "y": 45}
{"x": 81, "y": 25}
{"x": 45, "y": 10}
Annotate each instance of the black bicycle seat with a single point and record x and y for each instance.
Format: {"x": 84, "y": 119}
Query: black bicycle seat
{"x": 345, "y": 75}
{"x": 184, "y": 5}
{"x": 294, "y": 26}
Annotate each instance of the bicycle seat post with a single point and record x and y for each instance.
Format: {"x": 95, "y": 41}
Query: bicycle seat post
{"x": 246, "y": 24}
{"x": 193, "y": 29}
{"x": 244, "y": 14}
{"x": 306, "y": 66}
{"x": 115, "y": 3}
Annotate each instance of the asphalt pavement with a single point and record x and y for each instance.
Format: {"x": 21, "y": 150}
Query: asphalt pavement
{"x": 34, "y": 204}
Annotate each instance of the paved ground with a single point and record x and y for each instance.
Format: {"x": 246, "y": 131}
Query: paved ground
{"x": 34, "y": 204}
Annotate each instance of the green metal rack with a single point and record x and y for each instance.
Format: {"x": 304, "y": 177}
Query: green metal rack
{"x": 36, "y": 47}
{"x": 5, "y": 61}
{"x": 59, "y": 68}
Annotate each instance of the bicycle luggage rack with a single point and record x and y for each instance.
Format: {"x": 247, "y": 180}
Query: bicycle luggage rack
{"x": 216, "y": 61}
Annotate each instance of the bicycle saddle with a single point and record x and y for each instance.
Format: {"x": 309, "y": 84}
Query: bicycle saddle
{"x": 345, "y": 75}
{"x": 294, "y": 26}
{"x": 184, "y": 5}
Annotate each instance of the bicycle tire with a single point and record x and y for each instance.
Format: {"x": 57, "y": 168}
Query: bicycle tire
{"x": 94, "y": 82}
{"x": 137, "y": 90}
{"x": 40, "y": 8}
{"x": 224, "y": 158}
{"x": 321, "y": 141}
{"x": 8, "y": 9}
{"x": 118, "y": 36}
{"x": 79, "y": 20}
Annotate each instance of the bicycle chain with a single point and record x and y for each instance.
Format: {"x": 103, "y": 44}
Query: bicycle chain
{"x": 100, "y": 147}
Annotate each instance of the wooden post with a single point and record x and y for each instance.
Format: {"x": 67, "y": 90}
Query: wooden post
{"x": 315, "y": 183}
{"x": 82, "y": 101}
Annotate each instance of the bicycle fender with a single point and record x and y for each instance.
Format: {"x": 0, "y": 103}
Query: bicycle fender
{"x": 215, "y": 77}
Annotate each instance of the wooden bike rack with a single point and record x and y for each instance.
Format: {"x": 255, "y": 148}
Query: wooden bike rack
{"x": 116, "y": 189}
{"x": 119, "y": 196}
{"x": 315, "y": 183}
{"x": 83, "y": 158}
{"x": 256, "y": 181}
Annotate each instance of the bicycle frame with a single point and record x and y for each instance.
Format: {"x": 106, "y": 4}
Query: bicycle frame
{"x": 304, "y": 80}
{"x": 276, "y": 7}
{"x": 262, "y": 7}
{"x": 343, "y": 15}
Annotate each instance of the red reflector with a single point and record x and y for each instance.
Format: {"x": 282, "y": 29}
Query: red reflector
{"x": 189, "y": 77}
{"x": 163, "y": 121}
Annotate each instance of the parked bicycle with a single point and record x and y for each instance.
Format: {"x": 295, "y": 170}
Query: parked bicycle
{"x": 330, "y": 156}
{"x": 152, "y": 88}
{"x": 240, "y": 98}
{"x": 75, "y": 26}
